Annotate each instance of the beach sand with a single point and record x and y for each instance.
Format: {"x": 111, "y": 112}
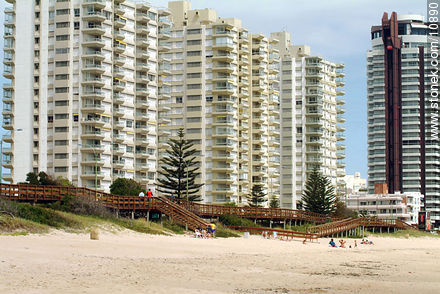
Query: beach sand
{"x": 129, "y": 262}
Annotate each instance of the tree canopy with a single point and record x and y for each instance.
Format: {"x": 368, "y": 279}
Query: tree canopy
{"x": 179, "y": 170}
{"x": 257, "y": 196}
{"x": 126, "y": 187}
{"x": 319, "y": 194}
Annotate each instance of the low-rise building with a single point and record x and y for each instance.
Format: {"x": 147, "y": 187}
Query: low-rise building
{"x": 354, "y": 183}
{"x": 404, "y": 206}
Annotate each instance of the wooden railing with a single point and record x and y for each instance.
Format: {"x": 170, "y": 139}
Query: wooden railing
{"x": 282, "y": 233}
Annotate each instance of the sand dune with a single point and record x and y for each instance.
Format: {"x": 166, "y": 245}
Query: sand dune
{"x": 134, "y": 263}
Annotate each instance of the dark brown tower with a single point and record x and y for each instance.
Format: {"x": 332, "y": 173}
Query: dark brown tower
{"x": 393, "y": 102}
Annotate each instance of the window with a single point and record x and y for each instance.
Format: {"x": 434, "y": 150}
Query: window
{"x": 61, "y": 169}
{"x": 179, "y": 100}
{"x": 62, "y": 38}
{"x": 61, "y": 116}
{"x": 194, "y": 86}
{"x": 193, "y": 119}
{"x": 61, "y": 77}
{"x": 61, "y": 129}
{"x": 194, "y": 53}
{"x": 61, "y": 63}
{"x": 194, "y": 97}
{"x": 76, "y": 12}
{"x": 62, "y": 90}
{"x": 76, "y": 25}
{"x": 194, "y": 131}
{"x": 62, "y": 25}
{"x": 62, "y": 11}
{"x": 194, "y": 108}
{"x": 194, "y": 75}
{"x": 208, "y": 98}
{"x": 75, "y": 117}
{"x": 61, "y": 155}
{"x": 61, "y": 50}
{"x": 193, "y": 42}
{"x": 194, "y": 31}
{"x": 50, "y": 118}
{"x": 61, "y": 142}
{"x": 62, "y": 103}
{"x": 194, "y": 64}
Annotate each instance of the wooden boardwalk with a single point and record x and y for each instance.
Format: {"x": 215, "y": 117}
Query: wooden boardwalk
{"x": 192, "y": 214}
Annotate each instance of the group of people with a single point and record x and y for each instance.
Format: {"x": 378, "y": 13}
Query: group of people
{"x": 366, "y": 242}
{"x": 209, "y": 232}
{"x": 342, "y": 243}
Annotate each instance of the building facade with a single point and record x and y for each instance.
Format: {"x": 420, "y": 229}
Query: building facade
{"x": 401, "y": 151}
{"x": 405, "y": 206}
{"x": 223, "y": 91}
{"x": 354, "y": 183}
{"x": 312, "y": 131}
{"x": 82, "y": 101}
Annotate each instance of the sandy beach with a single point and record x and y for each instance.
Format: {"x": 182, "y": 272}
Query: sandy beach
{"x": 129, "y": 262}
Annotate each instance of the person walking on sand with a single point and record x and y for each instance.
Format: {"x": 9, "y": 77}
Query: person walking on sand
{"x": 355, "y": 244}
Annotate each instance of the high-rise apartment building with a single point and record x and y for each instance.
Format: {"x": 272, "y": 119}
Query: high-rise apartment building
{"x": 82, "y": 101}
{"x": 401, "y": 151}
{"x": 222, "y": 90}
{"x": 312, "y": 110}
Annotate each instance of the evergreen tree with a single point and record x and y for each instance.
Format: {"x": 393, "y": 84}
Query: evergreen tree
{"x": 257, "y": 196}
{"x": 274, "y": 203}
{"x": 179, "y": 170}
{"x": 319, "y": 194}
{"x": 126, "y": 187}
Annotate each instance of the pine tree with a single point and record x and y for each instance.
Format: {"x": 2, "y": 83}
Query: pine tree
{"x": 319, "y": 194}
{"x": 274, "y": 203}
{"x": 257, "y": 196}
{"x": 179, "y": 170}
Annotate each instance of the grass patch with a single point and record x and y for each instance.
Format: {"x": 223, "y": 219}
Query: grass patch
{"x": 232, "y": 220}
{"x": 403, "y": 234}
{"x": 141, "y": 226}
{"x": 301, "y": 228}
{"x": 222, "y": 232}
{"x": 173, "y": 227}
{"x": 18, "y": 226}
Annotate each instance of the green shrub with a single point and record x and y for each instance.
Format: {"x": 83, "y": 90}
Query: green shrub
{"x": 222, "y": 232}
{"x": 172, "y": 226}
{"x": 232, "y": 220}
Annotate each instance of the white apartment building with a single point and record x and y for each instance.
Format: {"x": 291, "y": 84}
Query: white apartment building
{"x": 405, "y": 206}
{"x": 83, "y": 93}
{"x": 312, "y": 131}
{"x": 414, "y": 166}
{"x": 354, "y": 183}
{"x": 221, "y": 87}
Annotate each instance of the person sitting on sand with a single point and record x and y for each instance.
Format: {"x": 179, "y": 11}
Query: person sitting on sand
{"x": 332, "y": 243}
{"x": 342, "y": 242}
{"x": 198, "y": 234}
{"x": 304, "y": 241}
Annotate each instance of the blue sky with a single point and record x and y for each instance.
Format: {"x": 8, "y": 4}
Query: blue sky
{"x": 338, "y": 30}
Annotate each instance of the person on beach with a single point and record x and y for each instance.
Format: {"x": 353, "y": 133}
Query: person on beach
{"x": 197, "y": 233}
{"x": 342, "y": 243}
{"x": 355, "y": 244}
{"x": 332, "y": 243}
{"x": 211, "y": 229}
{"x": 149, "y": 193}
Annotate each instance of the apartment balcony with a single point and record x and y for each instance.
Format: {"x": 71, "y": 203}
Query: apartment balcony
{"x": 142, "y": 166}
{"x": 97, "y": 16}
{"x": 224, "y": 110}
{"x": 142, "y": 18}
{"x": 164, "y": 120}
{"x": 90, "y": 175}
{"x": 340, "y": 93}
{"x": 164, "y": 107}
{"x": 118, "y": 72}
{"x": 119, "y": 35}
{"x": 8, "y": 138}
{"x": 118, "y": 163}
{"x": 118, "y": 151}
{"x": 119, "y": 60}
{"x": 118, "y": 98}
{"x": 94, "y": 122}
{"x": 141, "y": 116}
{"x": 223, "y": 180}
{"x": 164, "y": 46}
{"x": 7, "y": 163}
{"x": 224, "y": 46}
{"x": 142, "y": 79}
{"x": 118, "y": 112}
{"x": 93, "y": 68}
{"x": 340, "y": 110}
{"x": 142, "y": 67}
{"x": 223, "y": 67}
{"x": 9, "y": 72}
{"x": 143, "y": 130}
{"x": 118, "y": 125}
{"x": 340, "y": 146}
{"x": 94, "y": 148}
{"x": 8, "y": 124}
{"x": 119, "y": 9}
{"x": 94, "y": 29}
{"x": 142, "y": 103}
{"x": 141, "y": 141}
{"x": 340, "y": 137}
{"x": 118, "y": 86}
{"x": 142, "y": 30}
{"x": 9, "y": 60}
{"x": 226, "y": 168}
{"x": 315, "y": 142}
{"x": 96, "y": 94}
{"x": 93, "y": 108}
{"x": 142, "y": 154}
{"x": 118, "y": 138}
{"x": 225, "y": 90}
{"x": 119, "y": 48}
{"x": 100, "y": 4}
{"x": 93, "y": 54}
{"x": 93, "y": 81}
{"x": 164, "y": 34}
{"x": 119, "y": 22}
{"x": 93, "y": 161}
{"x": 340, "y": 119}
{"x": 223, "y": 57}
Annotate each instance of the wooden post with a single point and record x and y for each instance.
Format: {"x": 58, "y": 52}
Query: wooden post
{"x": 117, "y": 213}
{"x": 132, "y": 214}
{"x": 270, "y": 224}
{"x": 284, "y": 224}
{"x": 388, "y": 230}
{"x": 148, "y": 216}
